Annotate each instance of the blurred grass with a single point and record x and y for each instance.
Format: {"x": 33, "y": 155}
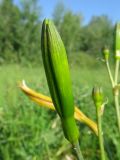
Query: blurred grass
{"x": 28, "y": 132}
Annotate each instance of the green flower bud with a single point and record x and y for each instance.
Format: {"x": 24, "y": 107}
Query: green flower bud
{"x": 117, "y": 41}
{"x": 97, "y": 95}
{"x": 106, "y": 53}
{"x": 58, "y": 78}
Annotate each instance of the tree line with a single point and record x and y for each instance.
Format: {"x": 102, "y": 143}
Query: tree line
{"x": 21, "y": 25}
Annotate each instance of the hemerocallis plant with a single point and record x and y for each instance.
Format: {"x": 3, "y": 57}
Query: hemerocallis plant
{"x": 59, "y": 82}
{"x": 98, "y": 99}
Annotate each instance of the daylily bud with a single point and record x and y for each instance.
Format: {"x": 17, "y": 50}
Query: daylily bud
{"x": 106, "y": 53}
{"x": 117, "y": 41}
{"x": 97, "y": 95}
{"x": 58, "y": 77}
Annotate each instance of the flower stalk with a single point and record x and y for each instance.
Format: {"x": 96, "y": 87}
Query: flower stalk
{"x": 114, "y": 81}
{"x": 117, "y": 58}
{"x": 106, "y": 54}
{"x": 98, "y": 101}
{"x": 78, "y": 151}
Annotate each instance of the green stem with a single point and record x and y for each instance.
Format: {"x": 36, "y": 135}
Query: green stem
{"x": 117, "y": 70}
{"x": 100, "y": 134}
{"x": 109, "y": 72}
{"x": 114, "y": 83}
{"x": 116, "y": 94}
{"x": 116, "y": 99}
{"x": 78, "y": 151}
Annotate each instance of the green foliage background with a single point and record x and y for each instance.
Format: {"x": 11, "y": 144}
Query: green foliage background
{"x": 28, "y": 132}
{"x": 20, "y": 32}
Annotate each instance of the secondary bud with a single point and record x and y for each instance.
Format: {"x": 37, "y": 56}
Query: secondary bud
{"x": 106, "y": 53}
{"x": 97, "y": 95}
{"x": 117, "y": 41}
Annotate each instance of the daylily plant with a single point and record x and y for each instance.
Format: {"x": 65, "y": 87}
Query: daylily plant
{"x": 59, "y": 83}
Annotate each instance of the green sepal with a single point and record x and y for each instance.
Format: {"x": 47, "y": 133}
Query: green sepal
{"x": 47, "y": 66}
{"x": 98, "y": 99}
{"x": 57, "y": 70}
{"x": 97, "y": 95}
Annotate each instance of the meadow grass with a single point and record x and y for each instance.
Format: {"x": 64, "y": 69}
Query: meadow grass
{"x": 28, "y": 132}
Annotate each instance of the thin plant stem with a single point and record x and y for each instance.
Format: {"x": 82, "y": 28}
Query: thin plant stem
{"x": 78, "y": 151}
{"x": 116, "y": 94}
{"x": 100, "y": 134}
{"x": 110, "y": 74}
{"x": 117, "y": 70}
{"x": 114, "y": 83}
{"x": 116, "y": 99}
